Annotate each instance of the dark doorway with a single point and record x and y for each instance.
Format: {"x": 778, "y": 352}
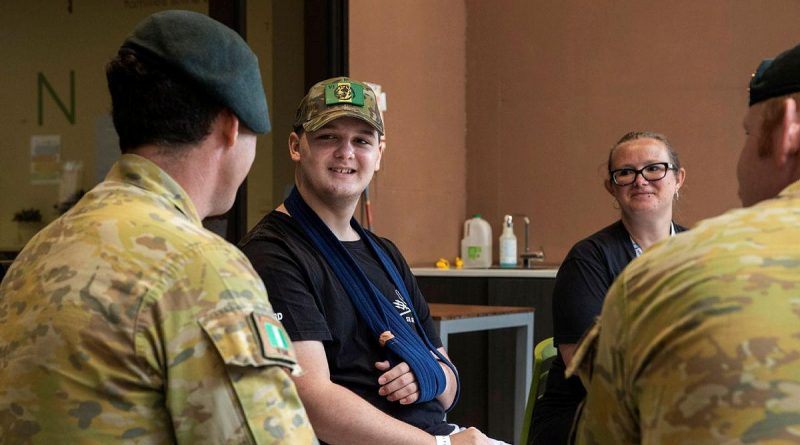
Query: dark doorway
{"x": 325, "y": 35}
{"x": 232, "y": 225}
{"x": 326, "y": 38}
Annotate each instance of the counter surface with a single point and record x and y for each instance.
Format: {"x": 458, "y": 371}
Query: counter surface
{"x": 545, "y": 271}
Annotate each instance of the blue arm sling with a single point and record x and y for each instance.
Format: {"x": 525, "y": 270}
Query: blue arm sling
{"x": 389, "y": 328}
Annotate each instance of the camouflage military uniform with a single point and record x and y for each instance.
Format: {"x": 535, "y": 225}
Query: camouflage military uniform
{"x": 126, "y": 322}
{"x": 699, "y": 339}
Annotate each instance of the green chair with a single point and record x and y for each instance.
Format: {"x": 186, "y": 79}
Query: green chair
{"x": 543, "y": 354}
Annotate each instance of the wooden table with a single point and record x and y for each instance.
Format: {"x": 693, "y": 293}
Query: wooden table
{"x": 457, "y": 318}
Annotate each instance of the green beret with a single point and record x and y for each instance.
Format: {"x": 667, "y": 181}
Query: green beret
{"x": 776, "y": 77}
{"x": 211, "y": 54}
{"x": 338, "y": 97}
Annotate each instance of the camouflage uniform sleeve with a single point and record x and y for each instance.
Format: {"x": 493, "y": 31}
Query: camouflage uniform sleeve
{"x": 224, "y": 360}
{"x": 608, "y": 414}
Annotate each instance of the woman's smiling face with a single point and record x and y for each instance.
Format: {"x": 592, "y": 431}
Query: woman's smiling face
{"x": 643, "y": 196}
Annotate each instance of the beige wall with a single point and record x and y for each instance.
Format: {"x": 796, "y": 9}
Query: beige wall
{"x": 44, "y": 36}
{"x": 494, "y": 106}
{"x": 415, "y": 49}
{"x": 546, "y": 88}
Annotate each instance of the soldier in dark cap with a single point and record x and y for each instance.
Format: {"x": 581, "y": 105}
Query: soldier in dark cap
{"x": 375, "y": 371}
{"x": 699, "y": 339}
{"x": 125, "y": 321}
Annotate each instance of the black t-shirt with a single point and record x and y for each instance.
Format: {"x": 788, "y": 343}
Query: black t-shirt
{"x": 582, "y": 281}
{"x": 312, "y": 305}
{"x": 584, "y": 278}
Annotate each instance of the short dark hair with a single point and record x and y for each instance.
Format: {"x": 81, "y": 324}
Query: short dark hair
{"x": 633, "y": 135}
{"x": 154, "y": 104}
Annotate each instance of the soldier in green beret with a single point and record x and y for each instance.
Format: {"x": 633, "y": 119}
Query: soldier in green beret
{"x": 125, "y": 321}
{"x": 699, "y": 339}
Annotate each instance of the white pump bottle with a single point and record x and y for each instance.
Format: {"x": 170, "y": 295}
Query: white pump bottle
{"x": 508, "y": 244}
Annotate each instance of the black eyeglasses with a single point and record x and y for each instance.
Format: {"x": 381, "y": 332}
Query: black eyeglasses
{"x": 651, "y": 172}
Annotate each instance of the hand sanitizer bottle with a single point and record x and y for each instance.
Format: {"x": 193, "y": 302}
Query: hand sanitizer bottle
{"x": 508, "y": 244}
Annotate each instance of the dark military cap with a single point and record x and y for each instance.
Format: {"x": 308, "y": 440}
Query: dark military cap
{"x": 212, "y": 55}
{"x": 338, "y": 97}
{"x": 776, "y": 77}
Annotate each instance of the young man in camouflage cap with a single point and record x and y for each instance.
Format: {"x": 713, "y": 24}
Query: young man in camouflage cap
{"x": 699, "y": 339}
{"x": 126, "y": 321}
{"x": 374, "y": 368}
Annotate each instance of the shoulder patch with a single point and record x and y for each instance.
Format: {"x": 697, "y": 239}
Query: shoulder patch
{"x": 275, "y": 343}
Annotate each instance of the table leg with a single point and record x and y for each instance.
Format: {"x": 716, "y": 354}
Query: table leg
{"x": 523, "y": 363}
{"x": 441, "y": 328}
{"x": 523, "y": 372}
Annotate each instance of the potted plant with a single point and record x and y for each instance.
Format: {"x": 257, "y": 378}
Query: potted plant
{"x": 29, "y": 221}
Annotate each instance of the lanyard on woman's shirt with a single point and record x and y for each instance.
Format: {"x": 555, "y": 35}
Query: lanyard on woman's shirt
{"x": 637, "y": 249}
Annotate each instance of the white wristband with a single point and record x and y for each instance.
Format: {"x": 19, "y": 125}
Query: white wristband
{"x": 442, "y": 440}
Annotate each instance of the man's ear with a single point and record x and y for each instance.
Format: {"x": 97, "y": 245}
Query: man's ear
{"x": 788, "y": 137}
{"x": 294, "y": 146}
{"x": 381, "y": 147}
{"x": 228, "y": 125}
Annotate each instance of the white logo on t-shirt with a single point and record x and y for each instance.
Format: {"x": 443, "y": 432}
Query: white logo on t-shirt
{"x": 401, "y": 306}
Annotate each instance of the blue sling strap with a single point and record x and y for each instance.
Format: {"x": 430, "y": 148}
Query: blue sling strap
{"x": 389, "y": 328}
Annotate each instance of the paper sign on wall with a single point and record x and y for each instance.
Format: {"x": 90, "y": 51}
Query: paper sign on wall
{"x": 45, "y": 156}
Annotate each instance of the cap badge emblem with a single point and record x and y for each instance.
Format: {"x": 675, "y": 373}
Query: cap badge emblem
{"x": 344, "y": 93}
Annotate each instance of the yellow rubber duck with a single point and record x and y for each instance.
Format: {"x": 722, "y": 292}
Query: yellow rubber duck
{"x": 459, "y": 263}
{"x": 442, "y": 263}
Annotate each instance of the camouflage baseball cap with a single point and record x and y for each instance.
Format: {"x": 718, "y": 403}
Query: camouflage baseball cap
{"x": 338, "y": 97}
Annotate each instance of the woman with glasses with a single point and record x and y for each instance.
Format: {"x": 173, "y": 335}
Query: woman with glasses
{"x": 644, "y": 177}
